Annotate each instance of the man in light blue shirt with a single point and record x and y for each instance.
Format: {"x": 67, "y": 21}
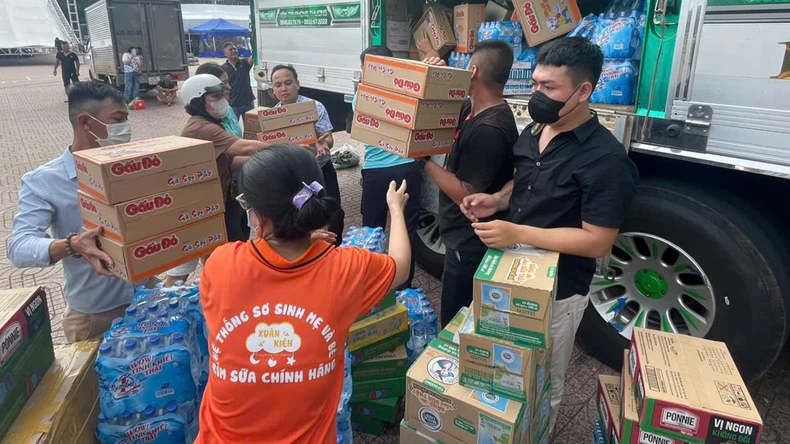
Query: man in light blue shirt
{"x": 48, "y": 225}
{"x": 378, "y": 170}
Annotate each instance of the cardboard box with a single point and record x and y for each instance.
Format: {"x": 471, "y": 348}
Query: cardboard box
{"x": 396, "y": 10}
{"x": 113, "y": 174}
{"x": 390, "y": 364}
{"x": 398, "y": 35}
{"x": 26, "y": 350}
{"x": 389, "y": 300}
{"x": 467, "y": 21}
{"x": 154, "y": 255}
{"x": 546, "y": 19}
{"x": 504, "y": 368}
{"x": 450, "y": 333}
{"x": 519, "y": 281}
{"x": 406, "y": 111}
{"x": 399, "y": 140}
{"x": 609, "y": 398}
{"x": 437, "y": 25}
{"x": 439, "y": 407}
{"x": 408, "y": 435}
{"x": 628, "y": 431}
{"x": 378, "y": 389}
{"x": 416, "y": 79}
{"x": 304, "y": 134}
{"x": 366, "y": 424}
{"x": 690, "y": 389}
{"x": 137, "y": 219}
{"x": 382, "y": 409}
{"x": 252, "y": 124}
{"x": 541, "y": 414}
{"x": 495, "y": 12}
{"x": 371, "y": 351}
{"x": 504, "y": 325}
{"x": 599, "y": 432}
{"x": 378, "y": 326}
{"x": 65, "y": 407}
{"x": 283, "y": 116}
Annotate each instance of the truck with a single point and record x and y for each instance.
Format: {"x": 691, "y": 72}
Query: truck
{"x": 704, "y": 249}
{"x": 153, "y": 25}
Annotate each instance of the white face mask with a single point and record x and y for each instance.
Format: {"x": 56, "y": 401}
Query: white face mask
{"x": 117, "y": 133}
{"x": 218, "y": 109}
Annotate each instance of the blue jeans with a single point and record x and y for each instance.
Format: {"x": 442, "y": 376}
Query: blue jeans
{"x": 241, "y": 110}
{"x": 131, "y": 86}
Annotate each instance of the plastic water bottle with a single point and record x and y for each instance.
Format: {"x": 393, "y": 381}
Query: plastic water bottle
{"x": 432, "y": 324}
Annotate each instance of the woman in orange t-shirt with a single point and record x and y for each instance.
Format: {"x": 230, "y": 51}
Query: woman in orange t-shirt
{"x": 278, "y": 309}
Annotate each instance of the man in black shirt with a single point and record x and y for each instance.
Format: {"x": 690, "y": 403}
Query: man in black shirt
{"x": 480, "y": 162}
{"x": 572, "y": 187}
{"x": 241, "y": 97}
{"x": 70, "y": 69}
{"x": 167, "y": 89}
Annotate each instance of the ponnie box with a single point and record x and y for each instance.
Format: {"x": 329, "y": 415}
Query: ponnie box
{"x": 378, "y": 326}
{"x": 439, "y": 407}
{"x": 113, "y": 174}
{"x": 690, "y": 389}
{"x": 543, "y": 20}
{"x": 436, "y": 23}
{"x": 148, "y": 216}
{"x": 65, "y": 406}
{"x": 467, "y": 20}
{"x": 287, "y": 115}
{"x": 608, "y": 399}
{"x": 401, "y": 141}
{"x": 416, "y": 79}
{"x": 389, "y": 300}
{"x": 390, "y": 364}
{"x": 406, "y": 111}
{"x": 149, "y": 257}
{"x": 367, "y": 352}
{"x": 629, "y": 431}
{"x": 25, "y": 349}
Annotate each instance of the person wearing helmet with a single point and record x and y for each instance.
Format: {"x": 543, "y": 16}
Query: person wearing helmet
{"x": 204, "y": 97}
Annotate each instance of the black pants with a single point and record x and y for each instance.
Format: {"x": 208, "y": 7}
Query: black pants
{"x": 69, "y": 77}
{"x": 375, "y": 183}
{"x": 332, "y": 189}
{"x": 458, "y": 280}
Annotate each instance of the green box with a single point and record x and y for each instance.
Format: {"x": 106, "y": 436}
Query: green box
{"x": 26, "y": 350}
{"x": 377, "y": 348}
{"x": 378, "y": 389}
{"x": 377, "y": 327}
{"x": 450, "y": 332}
{"x": 367, "y": 424}
{"x": 390, "y": 364}
{"x": 382, "y": 409}
{"x": 388, "y": 301}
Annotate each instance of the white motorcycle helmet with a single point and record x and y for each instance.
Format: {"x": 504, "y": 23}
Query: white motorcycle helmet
{"x": 200, "y": 84}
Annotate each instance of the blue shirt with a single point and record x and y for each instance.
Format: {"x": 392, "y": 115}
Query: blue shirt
{"x": 48, "y": 201}
{"x": 322, "y": 125}
{"x": 378, "y": 158}
{"x": 231, "y": 124}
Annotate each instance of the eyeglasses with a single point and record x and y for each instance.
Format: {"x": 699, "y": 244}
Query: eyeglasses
{"x": 240, "y": 199}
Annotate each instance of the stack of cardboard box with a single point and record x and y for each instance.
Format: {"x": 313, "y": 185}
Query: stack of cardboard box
{"x": 376, "y": 342}
{"x": 285, "y": 124}
{"x": 409, "y": 108}
{"x": 677, "y": 389}
{"x": 25, "y": 349}
{"x": 487, "y": 377}
{"x": 159, "y": 202}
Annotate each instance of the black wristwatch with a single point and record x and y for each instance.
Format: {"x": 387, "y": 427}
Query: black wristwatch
{"x": 70, "y": 251}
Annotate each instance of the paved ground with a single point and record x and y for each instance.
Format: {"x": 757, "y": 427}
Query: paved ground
{"x": 34, "y": 129}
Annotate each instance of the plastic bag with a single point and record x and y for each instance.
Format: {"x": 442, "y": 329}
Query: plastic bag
{"x": 345, "y": 157}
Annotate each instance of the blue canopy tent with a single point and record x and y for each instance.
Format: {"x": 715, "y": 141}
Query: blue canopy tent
{"x": 215, "y": 33}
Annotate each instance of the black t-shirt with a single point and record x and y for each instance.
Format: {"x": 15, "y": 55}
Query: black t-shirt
{"x": 239, "y": 80}
{"x": 68, "y": 62}
{"x": 582, "y": 175}
{"x": 482, "y": 157}
{"x": 167, "y": 85}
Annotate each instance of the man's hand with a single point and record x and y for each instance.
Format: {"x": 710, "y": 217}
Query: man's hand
{"x": 424, "y": 46}
{"x": 55, "y": 72}
{"x": 323, "y": 235}
{"x": 435, "y": 61}
{"x": 497, "y": 233}
{"x": 479, "y": 206}
{"x": 322, "y": 146}
{"x": 397, "y": 198}
{"x": 86, "y": 244}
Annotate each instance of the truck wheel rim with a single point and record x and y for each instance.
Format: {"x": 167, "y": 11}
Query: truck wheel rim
{"x": 429, "y": 233}
{"x": 652, "y": 283}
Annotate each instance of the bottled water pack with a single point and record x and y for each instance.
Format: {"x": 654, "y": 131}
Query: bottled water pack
{"x": 344, "y": 432}
{"x": 617, "y": 84}
{"x": 372, "y": 239}
{"x": 423, "y": 321}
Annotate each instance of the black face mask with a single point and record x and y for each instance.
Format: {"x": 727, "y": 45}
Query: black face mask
{"x": 544, "y": 109}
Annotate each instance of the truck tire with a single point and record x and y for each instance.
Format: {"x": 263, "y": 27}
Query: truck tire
{"x": 428, "y": 246}
{"x": 692, "y": 261}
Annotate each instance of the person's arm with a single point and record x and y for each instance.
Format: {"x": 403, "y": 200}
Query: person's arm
{"x": 426, "y": 49}
{"x": 325, "y": 143}
{"x": 246, "y": 148}
{"x": 323, "y": 128}
{"x": 77, "y": 64}
{"x": 478, "y": 206}
{"x": 238, "y": 162}
{"x": 126, "y": 59}
{"x": 589, "y": 241}
{"x": 399, "y": 247}
{"x": 57, "y": 63}
{"x": 225, "y": 142}
{"x": 160, "y": 88}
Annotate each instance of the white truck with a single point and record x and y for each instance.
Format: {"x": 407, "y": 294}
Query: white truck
{"x": 704, "y": 249}
{"x": 153, "y": 25}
